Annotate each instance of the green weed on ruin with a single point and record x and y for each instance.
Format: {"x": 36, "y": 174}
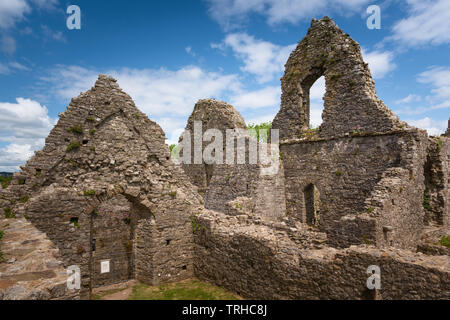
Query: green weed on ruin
{"x": 73, "y": 146}
{"x": 9, "y": 214}
{"x": 5, "y": 182}
{"x": 89, "y": 193}
{"x": 75, "y": 129}
{"x": 426, "y": 200}
{"x": 445, "y": 241}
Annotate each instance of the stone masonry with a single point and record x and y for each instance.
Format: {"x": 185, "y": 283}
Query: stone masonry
{"x": 233, "y": 187}
{"x": 363, "y": 189}
{"x": 104, "y": 188}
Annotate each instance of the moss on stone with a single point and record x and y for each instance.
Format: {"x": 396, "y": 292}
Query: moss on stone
{"x": 75, "y": 129}
{"x": 445, "y": 241}
{"x": 73, "y": 146}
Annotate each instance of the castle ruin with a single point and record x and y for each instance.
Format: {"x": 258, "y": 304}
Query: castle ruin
{"x": 363, "y": 189}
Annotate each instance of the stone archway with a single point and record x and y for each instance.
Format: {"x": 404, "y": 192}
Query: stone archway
{"x": 350, "y": 100}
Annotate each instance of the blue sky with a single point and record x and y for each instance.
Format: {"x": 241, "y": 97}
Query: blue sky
{"x": 169, "y": 54}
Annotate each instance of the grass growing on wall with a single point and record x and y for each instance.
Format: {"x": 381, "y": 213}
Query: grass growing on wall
{"x": 5, "y": 181}
{"x": 445, "y": 241}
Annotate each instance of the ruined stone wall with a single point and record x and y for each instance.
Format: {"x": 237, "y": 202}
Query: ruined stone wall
{"x": 277, "y": 268}
{"x": 437, "y": 182}
{"x": 212, "y": 114}
{"x": 222, "y": 184}
{"x": 106, "y": 154}
{"x": 31, "y": 266}
{"x": 396, "y": 205}
{"x": 350, "y": 100}
{"x": 346, "y": 172}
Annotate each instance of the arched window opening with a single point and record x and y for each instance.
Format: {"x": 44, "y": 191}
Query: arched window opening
{"x": 311, "y": 198}
{"x": 316, "y": 96}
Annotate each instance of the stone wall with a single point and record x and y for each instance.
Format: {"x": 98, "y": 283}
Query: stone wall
{"x": 104, "y": 168}
{"x": 350, "y": 174}
{"x": 437, "y": 182}
{"x": 275, "y": 267}
{"x": 212, "y": 114}
{"x": 31, "y": 266}
{"x": 350, "y": 100}
{"x": 262, "y": 194}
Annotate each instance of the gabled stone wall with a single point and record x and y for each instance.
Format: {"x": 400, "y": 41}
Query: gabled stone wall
{"x": 105, "y": 167}
{"x": 350, "y": 100}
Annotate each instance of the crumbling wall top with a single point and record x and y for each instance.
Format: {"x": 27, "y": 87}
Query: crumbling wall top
{"x": 350, "y": 101}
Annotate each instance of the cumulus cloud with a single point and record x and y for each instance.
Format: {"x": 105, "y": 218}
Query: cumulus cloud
{"x": 261, "y": 58}
{"x": 267, "y": 117}
{"x": 316, "y": 93}
{"x": 7, "y": 68}
{"x": 380, "y": 62}
{"x": 439, "y": 78}
{"x": 155, "y": 91}
{"x": 410, "y": 98}
{"x": 23, "y": 128}
{"x": 12, "y": 11}
{"x": 428, "y": 23}
{"x": 434, "y": 127}
{"x": 262, "y": 98}
{"x": 166, "y": 96}
{"x": 231, "y": 13}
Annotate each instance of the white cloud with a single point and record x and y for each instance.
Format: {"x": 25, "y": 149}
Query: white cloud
{"x": 316, "y": 93}
{"x": 428, "y": 22}
{"x": 173, "y": 128}
{"x": 260, "y": 119}
{"x": 439, "y": 78}
{"x": 23, "y": 126}
{"x": 410, "y": 98}
{"x": 166, "y": 96}
{"x": 155, "y": 91}
{"x": 12, "y": 11}
{"x": 380, "y": 62}
{"x": 262, "y": 98}
{"x": 261, "y": 58}
{"x": 231, "y": 13}
{"x": 14, "y": 155}
{"x": 44, "y": 4}
{"x": 434, "y": 127}
{"x": 12, "y": 66}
